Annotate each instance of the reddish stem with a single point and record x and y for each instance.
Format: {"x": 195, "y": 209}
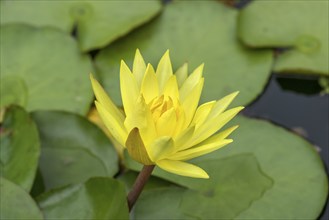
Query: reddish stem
{"x": 139, "y": 184}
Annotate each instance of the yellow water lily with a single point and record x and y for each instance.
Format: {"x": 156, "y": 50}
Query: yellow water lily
{"x": 163, "y": 124}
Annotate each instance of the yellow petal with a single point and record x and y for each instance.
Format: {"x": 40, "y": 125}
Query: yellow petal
{"x": 181, "y": 74}
{"x": 141, "y": 118}
{"x": 189, "y": 142}
{"x": 150, "y": 87}
{"x": 184, "y": 138}
{"x": 166, "y": 124}
{"x": 115, "y": 128}
{"x": 219, "y": 136}
{"x": 105, "y": 100}
{"x": 129, "y": 89}
{"x": 136, "y": 148}
{"x": 210, "y": 127}
{"x": 160, "y": 148}
{"x": 180, "y": 113}
{"x": 202, "y": 113}
{"x": 164, "y": 70}
{"x": 182, "y": 168}
{"x": 191, "y": 82}
{"x": 94, "y": 117}
{"x": 221, "y": 105}
{"x": 139, "y": 68}
{"x": 200, "y": 150}
{"x": 191, "y": 102}
{"x": 171, "y": 88}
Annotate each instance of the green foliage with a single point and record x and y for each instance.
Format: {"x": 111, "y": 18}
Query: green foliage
{"x": 97, "y": 198}
{"x": 12, "y": 91}
{"x": 235, "y": 183}
{"x": 20, "y": 147}
{"x": 98, "y": 23}
{"x": 55, "y": 164}
{"x": 51, "y": 66}
{"x": 274, "y": 24}
{"x": 194, "y": 32}
{"x": 72, "y": 149}
{"x": 267, "y": 159}
{"x": 16, "y": 203}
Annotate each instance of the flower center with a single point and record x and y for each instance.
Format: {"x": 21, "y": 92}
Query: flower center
{"x": 160, "y": 105}
{"x": 167, "y": 115}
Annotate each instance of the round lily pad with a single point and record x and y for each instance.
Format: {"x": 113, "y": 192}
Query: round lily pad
{"x": 20, "y": 147}
{"x": 293, "y": 180}
{"x": 49, "y": 63}
{"x": 300, "y": 26}
{"x": 167, "y": 205}
{"x": 223, "y": 196}
{"x": 12, "y": 91}
{"x": 72, "y": 149}
{"x": 98, "y": 22}
{"x": 300, "y": 182}
{"x": 16, "y": 203}
{"x": 194, "y": 32}
{"x": 97, "y": 198}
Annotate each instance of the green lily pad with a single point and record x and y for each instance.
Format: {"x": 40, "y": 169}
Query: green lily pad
{"x": 300, "y": 184}
{"x": 301, "y": 26}
{"x": 160, "y": 203}
{"x": 20, "y": 147}
{"x": 195, "y": 32}
{"x": 16, "y": 203}
{"x": 72, "y": 149}
{"x": 223, "y": 196}
{"x": 97, "y": 198}
{"x": 227, "y": 193}
{"x": 12, "y": 91}
{"x": 49, "y": 63}
{"x": 98, "y": 22}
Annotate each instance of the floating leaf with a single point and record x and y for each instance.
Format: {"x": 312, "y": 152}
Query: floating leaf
{"x": 300, "y": 184}
{"x": 20, "y": 147}
{"x": 49, "y": 63}
{"x": 98, "y": 22}
{"x": 161, "y": 203}
{"x": 195, "y": 32}
{"x": 12, "y": 91}
{"x": 301, "y": 26}
{"x": 16, "y": 203}
{"x": 227, "y": 193}
{"x": 98, "y": 198}
{"x": 235, "y": 183}
{"x": 72, "y": 149}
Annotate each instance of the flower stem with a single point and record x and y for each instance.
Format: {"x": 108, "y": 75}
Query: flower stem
{"x": 138, "y": 186}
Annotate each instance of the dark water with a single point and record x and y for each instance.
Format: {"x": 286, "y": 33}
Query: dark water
{"x": 296, "y": 103}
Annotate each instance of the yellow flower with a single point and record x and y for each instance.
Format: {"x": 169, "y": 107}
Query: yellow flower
{"x": 163, "y": 124}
